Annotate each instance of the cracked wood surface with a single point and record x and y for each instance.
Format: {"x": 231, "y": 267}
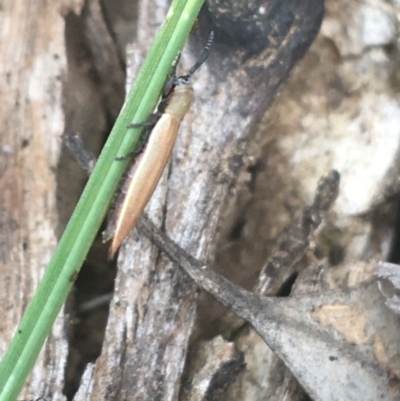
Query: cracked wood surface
{"x": 32, "y": 70}
{"x": 152, "y": 314}
{"x": 154, "y": 308}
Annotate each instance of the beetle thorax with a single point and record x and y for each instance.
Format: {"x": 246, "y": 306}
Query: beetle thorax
{"x": 179, "y": 101}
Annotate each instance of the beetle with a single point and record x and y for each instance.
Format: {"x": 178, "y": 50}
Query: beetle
{"x": 158, "y": 140}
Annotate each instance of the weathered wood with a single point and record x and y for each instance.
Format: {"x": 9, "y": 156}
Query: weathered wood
{"x": 339, "y": 345}
{"x": 152, "y": 315}
{"x": 32, "y": 70}
{"x": 153, "y": 311}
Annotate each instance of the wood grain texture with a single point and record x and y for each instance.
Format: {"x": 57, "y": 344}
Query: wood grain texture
{"x": 153, "y": 311}
{"x": 32, "y": 68}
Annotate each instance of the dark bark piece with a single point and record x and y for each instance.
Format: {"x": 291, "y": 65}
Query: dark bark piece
{"x": 80, "y": 151}
{"x": 390, "y": 272}
{"x": 216, "y": 365}
{"x": 289, "y": 257}
{"x": 107, "y": 57}
{"x": 257, "y": 25}
{"x": 293, "y": 243}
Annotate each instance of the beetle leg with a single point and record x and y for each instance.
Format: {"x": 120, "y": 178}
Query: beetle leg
{"x": 151, "y": 122}
{"x": 141, "y": 125}
{"x": 140, "y": 145}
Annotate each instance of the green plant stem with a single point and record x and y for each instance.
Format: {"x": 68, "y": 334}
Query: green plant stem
{"x": 92, "y": 207}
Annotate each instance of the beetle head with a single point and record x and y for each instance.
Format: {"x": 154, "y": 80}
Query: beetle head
{"x": 185, "y": 79}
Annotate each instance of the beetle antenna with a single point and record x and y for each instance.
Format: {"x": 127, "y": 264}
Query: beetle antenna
{"x": 203, "y": 56}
